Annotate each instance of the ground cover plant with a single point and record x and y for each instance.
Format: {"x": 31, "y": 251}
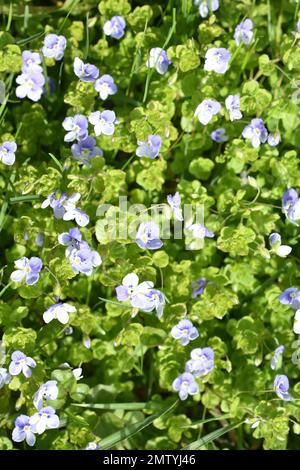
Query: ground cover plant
{"x": 149, "y": 192}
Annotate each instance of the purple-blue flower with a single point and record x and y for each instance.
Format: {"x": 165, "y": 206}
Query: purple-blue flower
{"x": 44, "y": 419}
{"x": 256, "y": 132}
{"x": 149, "y": 300}
{"x": 60, "y": 312}
{"x": 281, "y": 387}
{"x": 23, "y": 430}
{"x": 70, "y": 239}
{"x": 206, "y": 110}
{"x": 274, "y": 139}
{"x": 65, "y": 208}
{"x": 92, "y": 446}
{"x": 243, "y": 32}
{"x": 232, "y": 104}
{"x": 217, "y": 60}
{"x": 54, "y": 46}
{"x": 115, "y": 27}
{"x": 28, "y": 268}
{"x": 85, "y": 150}
{"x": 291, "y": 205}
{"x": 7, "y": 152}
{"x": 200, "y": 231}
{"x": 175, "y": 202}
{"x": 199, "y": 287}
{"x": 132, "y": 290}
{"x": 21, "y": 363}
{"x": 219, "y": 135}
{"x": 86, "y": 72}
{"x": 207, "y": 6}
{"x": 84, "y": 259}
{"x": 103, "y": 122}
{"x": 185, "y": 331}
{"x": 159, "y": 60}
{"x": 185, "y": 385}
{"x": 147, "y": 236}
{"x": 149, "y": 148}
{"x": 77, "y": 127}
{"x": 4, "y": 377}
{"x": 201, "y": 362}
{"x": 31, "y": 61}
{"x": 291, "y": 297}
{"x": 39, "y": 240}
{"x": 280, "y": 250}
{"x": 276, "y": 357}
{"x": 105, "y": 86}
{"x": 47, "y": 391}
{"x": 31, "y": 84}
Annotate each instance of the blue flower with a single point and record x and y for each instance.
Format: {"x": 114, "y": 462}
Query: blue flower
{"x": 31, "y": 61}
{"x": 147, "y": 236}
{"x": 200, "y": 231}
{"x": 65, "y": 208}
{"x": 243, "y": 32}
{"x": 44, "y": 419}
{"x": 92, "y": 446}
{"x": 217, "y": 60}
{"x": 219, "y": 135}
{"x": 85, "y": 150}
{"x": 103, "y": 122}
{"x": 232, "y": 104}
{"x": 150, "y": 148}
{"x": 54, "y": 46}
{"x": 199, "y": 287}
{"x": 149, "y": 300}
{"x": 31, "y": 84}
{"x": 185, "y": 385}
{"x": 159, "y": 60}
{"x": 185, "y": 331}
{"x": 4, "y": 377}
{"x": 39, "y": 240}
{"x": 296, "y": 327}
{"x": 274, "y": 139}
{"x": 207, "y": 6}
{"x": 84, "y": 259}
{"x": 175, "y": 202}
{"x": 115, "y": 27}
{"x": 206, "y": 110}
{"x": 275, "y": 242}
{"x": 291, "y": 297}
{"x": 256, "y": 132}
{"x": 281, "y": 387}
{"x": 129, "y": 286}
{"x": 60, "y": 312}
{"x": 70, "y": 239}
{"x": 23, "y": 430}
{"x": 276, "y": 357}
{"x": 47, "y": 391}
{"x": 77, "y": 127}
{"x": 28, "y": 268}
{"x": 86, "y": 72}
{"x": 21, "y": 363}
{"x": 7, "y": 152}
{"x": 105, "y": 86}
{"x": 201, "y": 362}
{"x": 291, "y": 206}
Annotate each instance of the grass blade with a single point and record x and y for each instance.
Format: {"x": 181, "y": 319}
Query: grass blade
{"x": 212, "y": 436}
{"x": 118, "y": 406}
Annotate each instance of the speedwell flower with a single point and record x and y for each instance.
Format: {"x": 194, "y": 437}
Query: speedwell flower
{"x": 185, "y": 385}
{"x": 159, "y": 60}
{"x": 256, "y": 132}
{"x": 148, "y": 236}
{"x": 103, "y": 122}
{"x": 175, "y": 202}
{"x": 149, "y": 148}
{"x": 217, "y": 60}
{"x": 31, "y": 84}
{"x": 207, "y": 6}
{"x": 201, "y": 362}
{"x": 4, "y": 377}
{"x": 115, "y": 27}
{"x": 206, "y": 110}
{"x": 280, "y": 250}
{"x": 85, "y": 150}
{"x": 7, "y": 152}
{"x": 281, "y": 387}
{"x": 232, "y": 104}
{"x": 59, "y": 311}
{"x": 54, "y": 46}
{"x": 105, "y": 86}
{"x": 199, "y": 287}
{"x": 47, "y": 391}
{"x": 291, "y": 297}
{"x": 200, "y": 231}
{"x": 21, "y": 363}
{"x": 23, "y": 430}
{"x": 44, "y": 419}
{"x": 185, "y": 331}
{"x": 219, "y": 135}
{"x": 276, "y": 357}
{"x": 28, "y": 269}
{"x": 77, "y": 127}
{"x": 243, "y": 32}
{"x": 86, "y": 72}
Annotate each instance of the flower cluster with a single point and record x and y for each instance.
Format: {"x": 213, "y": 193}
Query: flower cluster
{"x": 79, "y": 253}
{"x": 200, "y": 364}
{"x": 31, "y": 81}
{"x": 64, "y": 207}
